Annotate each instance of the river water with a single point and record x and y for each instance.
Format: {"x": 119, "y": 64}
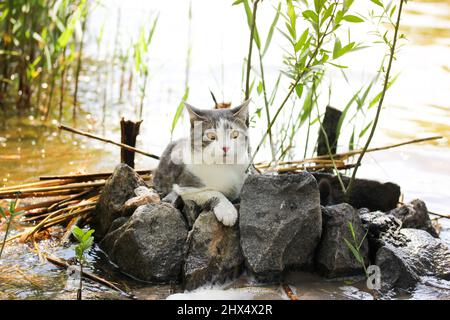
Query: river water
{"x": 416, "y": 106}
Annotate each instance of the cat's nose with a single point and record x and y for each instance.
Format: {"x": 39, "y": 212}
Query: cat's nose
{"x": 225, "y": 149}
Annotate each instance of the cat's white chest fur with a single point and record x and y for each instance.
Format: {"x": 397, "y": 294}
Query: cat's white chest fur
{"x": 225, "y": 178}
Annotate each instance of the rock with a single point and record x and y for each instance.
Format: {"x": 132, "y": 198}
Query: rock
{"x": 117, "y": 223}
{"x": 280, "y": 223}
{"x": 190, "y": 212}
{"x": 333, "y": 256}
{"x": 174, "y": 199}
{"x": 118, "y": 189}
{"x": 143, "y": 196}
{"x": 150, "y": 246}
{"x": 415, "y": 215}
{"x": 214, "y": 254}
{"x": 365, "y": 193}
{"x": 422, "y": 255}
{"x": 188, "y": 208}
{"x": 382, "y": 228}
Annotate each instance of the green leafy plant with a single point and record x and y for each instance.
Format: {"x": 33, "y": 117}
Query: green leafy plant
{"x": 180, "y": 108}
{"x": 254, "y": 37}
{"x": 85, "y": 242}
{"x": 141, "y": 51}
{"x": 316, "y": 42}
{"x": 355, "y": 246}
{"x": 379, "y": 99}
{"x": 40, "y": 39}
{"x": 9, "y": 219}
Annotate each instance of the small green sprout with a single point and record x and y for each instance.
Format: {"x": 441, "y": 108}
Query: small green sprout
{"x": 85, "y": 242}
{"x": 9, "y": 220}
{"x": 355, "y": 247}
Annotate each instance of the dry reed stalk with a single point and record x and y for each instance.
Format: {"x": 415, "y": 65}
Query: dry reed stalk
{"x": 38, "y": 205}
{"x": 346, "y": 155}
{"x": 48, "y": 183}
{"x": 64, "y": 201}
{"x": 25, "y": 235}
{"x": 29, "y": 209}
{"x": 281, "y": 163}
{"x": 312, "y": 168}
{"x": 35, "y": 218}
{"x": 60, "y": 219}
{"x": 72, "y": 223}
{"x": 46, "y": 194}
{"x": 71, "y": 186}
{"x": 93, "y": 136}
{"x": 48, "y": 219}
{"x": 12, "y": 238}
{"x": 63, "y": 264}
{"x": 88, "y": 176}
{"x": 38, "y": 251}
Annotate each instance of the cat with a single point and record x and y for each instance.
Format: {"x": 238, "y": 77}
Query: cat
{"x": 210, "y": 166}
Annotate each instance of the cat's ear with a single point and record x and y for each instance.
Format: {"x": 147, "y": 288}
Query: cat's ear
{"x": 241, "y": 112}
{"x": 194, "y": 113}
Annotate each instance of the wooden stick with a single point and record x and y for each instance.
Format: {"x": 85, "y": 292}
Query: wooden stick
{"x": 50, "y": 218}
{"x": 57, "y": 220}
{"x": 69, "y": 214}
{"x": 287, "y": 289}
{"x": 69, "y": 198}
{"x": 46, "y": 194}
{"x": 313, "y": 168}
{"x": 63, "y": 264}
{"x": 65, "y": 238}
{"x": 88, "y": 176}
{"x": 38, "y": 205}
{"x": 12, "y": 238}
{"x": 352, "y": 153}
{"x": 346, "y": 155}
{"x": 440, "y": 215}
{"x": 49, "y": 183}
{"x": 305, "y": 161}
{"x": 93, "y": 136}
{"x": 71, "y": 186}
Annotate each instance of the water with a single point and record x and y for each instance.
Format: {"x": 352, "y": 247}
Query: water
{"x": 416, "y": 106}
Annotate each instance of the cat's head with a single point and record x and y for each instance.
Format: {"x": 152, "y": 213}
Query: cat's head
{"x": 219, "y": 136}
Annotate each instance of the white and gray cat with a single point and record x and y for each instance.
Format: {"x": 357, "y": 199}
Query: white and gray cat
{"x": 210, "y": 166}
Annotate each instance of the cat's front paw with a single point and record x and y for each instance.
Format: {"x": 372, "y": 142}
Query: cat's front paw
{"x": 226, "y": 213}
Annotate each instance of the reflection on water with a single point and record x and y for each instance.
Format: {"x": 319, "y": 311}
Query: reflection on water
{"x": 416, "y": 106}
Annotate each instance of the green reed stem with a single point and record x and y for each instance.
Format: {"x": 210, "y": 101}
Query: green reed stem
{"x": 296, "y": 82}
{"x": 250, "y": 49}
{"x": 380, "y": 103}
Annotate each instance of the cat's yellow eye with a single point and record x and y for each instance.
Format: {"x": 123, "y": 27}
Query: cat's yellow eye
{"x": 234, "y": 134}
{"x": 211, "y": 135}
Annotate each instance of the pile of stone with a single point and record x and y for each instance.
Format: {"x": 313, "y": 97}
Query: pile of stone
{"x": 285, "y": 224}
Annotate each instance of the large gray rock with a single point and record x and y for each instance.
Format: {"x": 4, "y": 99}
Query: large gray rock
{"x": 280, "y": 223}
{"x": 214, "y": 253}
{"x": 333, "y": 256}
{"x": 117, "y": 190}
{"x": 150, "y": 246}
{"x": 421, "y": 255}
{"x": 415, "y": 215}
